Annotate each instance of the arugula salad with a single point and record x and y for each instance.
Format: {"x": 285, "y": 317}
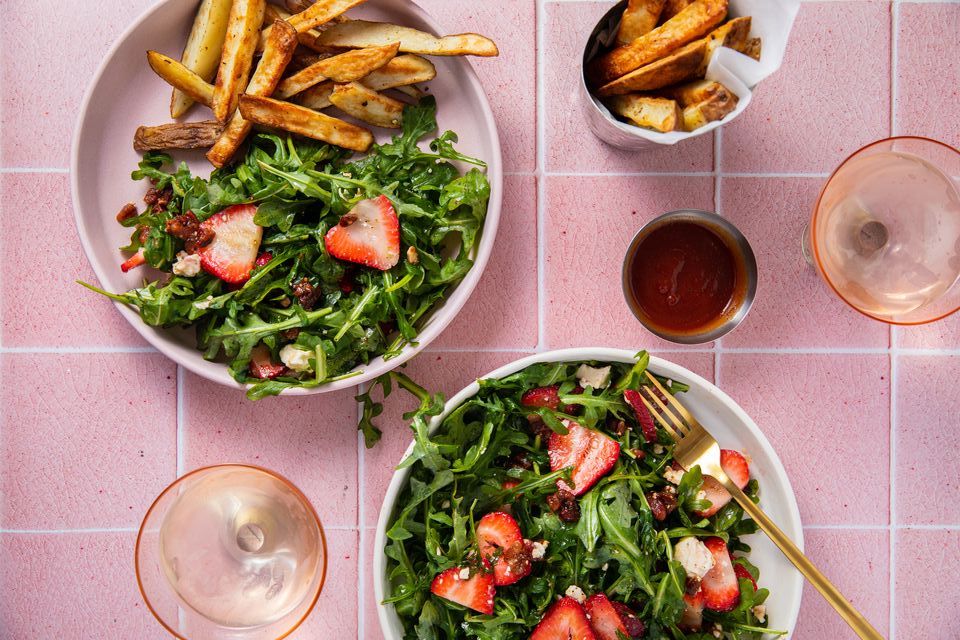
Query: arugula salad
{"x": 549, "y": 506}
{"x": 300, "y": 263}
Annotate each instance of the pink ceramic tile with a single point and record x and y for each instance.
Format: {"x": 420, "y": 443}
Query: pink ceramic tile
{"x": 831, "y": 96}
{"x": 371, "y": 621}
{"x": 944, "y": 334}
{"x": 794, "y": 307}
{"x": 437, "y": 372}
{"x": 928, "y": 71}
{"x": 570, "y": 146}
{"x": 47, "y": 58}
{"x": 335, "y": 615}
{"x": 40, "y": 260}
{"x": 589, "y": 224}
{"x": 312, "y": 440}
{"x": 502, "y": 311}
{"x": 510, "y": 79}
{"x": 700, "y": 363}
{"x": 828, "y": 418}
{"x": 72, "y": 586}
{"x": 924, "y": 561}
{"x": 927, "y": 451}
{"x": 858, "y": 562}
{"x": 87, "y": 440}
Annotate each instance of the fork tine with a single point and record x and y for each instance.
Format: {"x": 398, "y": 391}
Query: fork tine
{"x": 674, "y": 403}
{"x": 678, "y": 424}
{"x": 667, "y": 426}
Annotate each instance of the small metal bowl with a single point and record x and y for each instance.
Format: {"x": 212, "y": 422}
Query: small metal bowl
{"x": 746, "y": 267}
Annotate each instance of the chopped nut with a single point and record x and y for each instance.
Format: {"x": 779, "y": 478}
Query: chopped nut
{"x": 306, "y": 293}
{"x": 412, "y": 256}
{"x": 128, "y": 211}
{"x": 564, "y": 504}
{"x": 662, "y": 504}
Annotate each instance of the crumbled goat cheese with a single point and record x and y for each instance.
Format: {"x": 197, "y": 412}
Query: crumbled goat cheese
{"x": 673, "y": 476}
{"x": 464, "y": 573}
{"x": 658, "y": 449}
{"x": 575, "y": 592}
{"x": 694, "y": 556}
{"x": 205, "y": 303}
{"x": 761, "y": 612}
{"x": 296, "y": 358}
{"x": 187, "y": 264}
{"x": 445, "y": 504}
{"x": 605, "y": 566}
{"x": 717, "y": 631}
{"x": 593, "y": 377}
{"x": 539, "y": 549}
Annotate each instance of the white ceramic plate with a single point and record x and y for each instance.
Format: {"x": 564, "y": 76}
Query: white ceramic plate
{"x": 125, "y": 93}
{"x": 726, "y": 421}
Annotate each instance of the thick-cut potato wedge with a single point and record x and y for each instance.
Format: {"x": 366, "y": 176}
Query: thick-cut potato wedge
{"x": 715, "y": 107}
{"x": 367, "y": 105}
{"x": 306, "y": 122}
{"x": 685, "y": 64}
{"x": 296, "y": 6}
{"x": 273, "y": 12}
{"x": 321, "y": 12}
{"x": 360, "y": 33}
{"x": 303, "y": 58}
{"x": 316, "y": 97}
{"x": 693, "y": 22}
{"x": 276, "y": 56}
{"x": 181, "y": 78}
{"x": 202, "y": 51}
{"x": 243, "y": 31}
{"x": 673, "y": 7}
{"x": 753, "y": 48}
{"x": 345, "y": 67}
{"x": 659, "y": 114}
{"x": 639, "y": 19}
{"x": 177, "y": 135}
{"x": 399, "y": 73}
{"x": 699, "y": 91}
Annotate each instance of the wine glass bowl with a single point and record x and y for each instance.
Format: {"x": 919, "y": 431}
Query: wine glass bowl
{"x": 231, "y": 552}
{"x": 885, "y": 231}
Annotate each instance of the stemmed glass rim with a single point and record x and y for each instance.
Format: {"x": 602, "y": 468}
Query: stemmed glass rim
{"x": 815, "y": 248}
{"x": 232, "y": 465}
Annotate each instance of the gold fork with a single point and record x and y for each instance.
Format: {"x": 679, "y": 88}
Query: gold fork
{"x": 697, "y": 447}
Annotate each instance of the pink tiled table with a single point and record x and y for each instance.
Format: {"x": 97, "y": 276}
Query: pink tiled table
{"x": 95, "y": 423}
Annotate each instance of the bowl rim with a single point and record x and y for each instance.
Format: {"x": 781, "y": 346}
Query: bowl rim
{"x": 439, "y": 319}
{"x": 792, "y": 526}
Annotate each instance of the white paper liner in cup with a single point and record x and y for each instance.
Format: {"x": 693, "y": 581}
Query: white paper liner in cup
{"x": 772, "y": 20}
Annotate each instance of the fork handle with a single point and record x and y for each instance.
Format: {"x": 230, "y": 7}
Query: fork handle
{"x": 832, "y": 595}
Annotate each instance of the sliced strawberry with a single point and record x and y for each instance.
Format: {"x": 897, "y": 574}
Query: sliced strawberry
{"x": 261, "y": 365}
{"x": 742, "y": 573}
{"x": 369, "y": 235}
{"x": 721, "y": 589}
{"x": 565, "y": 620}
{"x": 715, "y": 494}
{"x": 232, "y": 253}
{"x": 133, "y": 261}
{"x": 692, "y": 618}
{"x": 264, "y": 258}
{"x": 475, "y": 592}
{"x": 501, "y": 544}
{"x": 647, "y": 424}
{"x": 510, "y": 484}
{"x": 735, "y": 466}
{"x": 634, "y": 625}
{"x": 611, "y": 620}
{"x": 548, "y": 397}
{"x": 590, "y": 453}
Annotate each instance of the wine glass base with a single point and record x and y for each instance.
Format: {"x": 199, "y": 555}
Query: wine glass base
{"x": 806, "y": 248}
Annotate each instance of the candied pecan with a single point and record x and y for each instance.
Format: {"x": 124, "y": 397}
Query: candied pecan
{"x": 128, "y": 211}
{"x": 537, "y": 427}
{"x": 618, "y": 427}
{"x": 158, "y": 199}
{"x": 517, "y": 558}
{"x": 564, "y": 504}
{"x": 306, "y": 293}
{"x": 187, "y": 227}
{"x": 692, "y": 586}
{"x": 519, "y": 460}
{"x": 662, "y": 504}
{"x": 290, "y": 334}
{"x": 639, "y": 454}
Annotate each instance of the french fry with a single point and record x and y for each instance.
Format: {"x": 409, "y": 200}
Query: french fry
{"x": 181, "y": 78}
{"x": 687, "y": 63}
{"x": 306, "y": 122}
{"x": 202, "y": 51}
{"x": 303, "y": 58}
{"x": 687, "y": 26}
{"x": 753, "y": 48}
{"x": 367, "y": 105}
{"x": 399, "y": 73}
{"x": 673, "y": 7}
{"x": 316, "y": 97}
{"x": 296, "y": 6}
{"x": 694, "y": 92}
{"x": 640, "y": 18}
{"x": 361, "y": 33}
{"x": 273, "y": 12}
{"x": 276, "y": 56}
{"x": 659, "y": 114}
{"x": 243, "y": 31}
{"x": 713, "y": 108}
{"x": 345, "y": 67}
{"x": 321, "y": 12}
{"x": 177, "y": 135}
{"x": 411, "y": 90}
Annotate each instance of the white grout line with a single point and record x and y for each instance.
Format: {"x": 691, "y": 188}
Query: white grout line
{"x": 682, "y": 174}
{"x": 894, "y": 64}
{"x": 361, "y": 525}
{"x": 541, "y": 178}
{"x": 34, "y": 170}
{"x": 181, "y": 443}
{"x": 60, "y": 531}
{"x": 63, "y": 350}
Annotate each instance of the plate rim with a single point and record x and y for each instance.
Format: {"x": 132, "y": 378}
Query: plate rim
{"x": 793, "y": 525}
{"x": 442, "y": 317}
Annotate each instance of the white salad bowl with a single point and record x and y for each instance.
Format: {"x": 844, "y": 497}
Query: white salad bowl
{"x": 733, "y": 429}
{"x": 125, "y": 93}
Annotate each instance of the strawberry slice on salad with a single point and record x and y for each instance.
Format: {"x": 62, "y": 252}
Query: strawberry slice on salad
{"x": 232, "y": 253}
{"x": 647, "y": 425}
{"x": 502, "y": 545}
{"x": 133, "y": 261}
{"x": 737, "y": 468}
{"x": 612, "y": 620}
{"x": 565, "y": 620}
{"x": 720, "y": 586}
{"x": 548, "y": 397}
{"x": 742, "y": 574}
{"x": 369, "y": 235}
{"x": 692, "y": 618}
{"x": 468, "y": 586}
{"x": 590, "y": 453}
{"x": 261, "y": 364}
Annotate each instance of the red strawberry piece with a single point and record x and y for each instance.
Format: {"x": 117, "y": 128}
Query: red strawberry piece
{"x": 590, "y": 453}
{"x": 565, "y": 620}
{"x": 369, "y": 235}
{"x": 721, "y": 589}
{"x": 735, "y": 466}
{"x": 715, "y": 494}
{"x": 232, "y": 253}
{"x": 501, "y": 543}
{"x": 742, "y": 574}
{"x": 692, "y": 618}
{"x": 510, "y": 484}
{"x": 611, "y": 620}
{"x": 475, "y": 591}
{"x": 647, "y": 426}
{"x": 634, "y": 625}
{"x": 261, "y": 365}
{"x": 133, "y": 261}
{"x": 548, "y": 397}
{"x": 264, "y": 258}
